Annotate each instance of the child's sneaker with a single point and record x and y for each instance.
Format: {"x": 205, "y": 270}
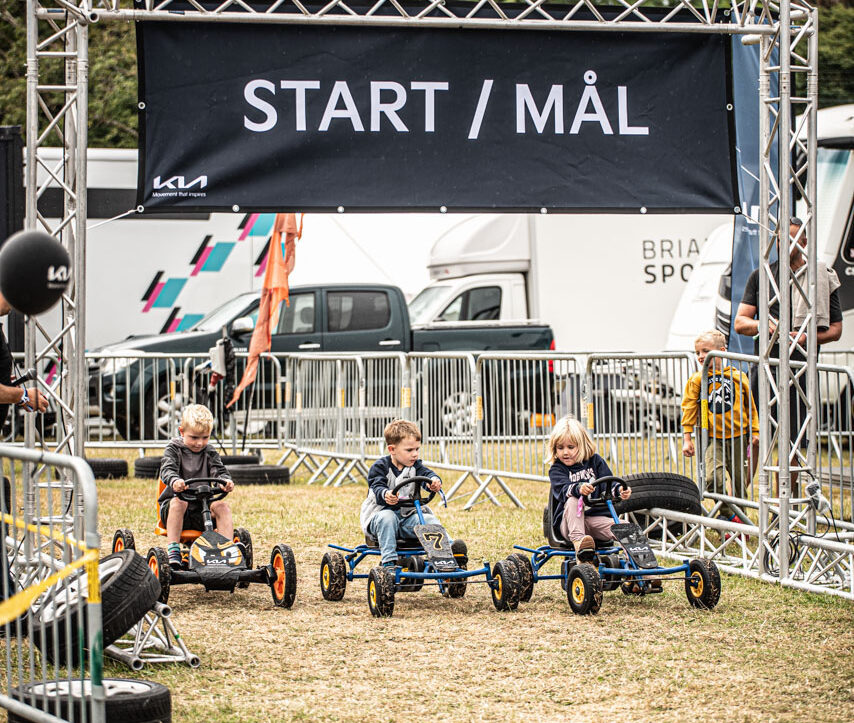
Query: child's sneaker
{"x": 175, "y": 561}
{"x": 389, "y": 563}
{"x": 585, "y": 549}
{"x": 461, "y": 552}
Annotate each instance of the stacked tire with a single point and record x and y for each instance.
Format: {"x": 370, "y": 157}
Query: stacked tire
{"x": 661, "y": 489}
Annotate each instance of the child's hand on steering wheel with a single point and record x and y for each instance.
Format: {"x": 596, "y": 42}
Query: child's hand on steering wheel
{"x": 229, "y": 485}
{"x": 390, "y": 498}
{"x": 625, "y": 493}
{"x": 586, "y": 488}
{"x": 179, "y": 486}
{"x": 435, "y": 484}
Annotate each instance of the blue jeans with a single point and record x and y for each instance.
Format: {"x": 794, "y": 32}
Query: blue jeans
{"x": 387, "y": 525}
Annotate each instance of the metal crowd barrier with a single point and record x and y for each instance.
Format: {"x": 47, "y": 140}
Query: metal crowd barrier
{"x": 50, "y": 614}
{"x": 634, "y": 410}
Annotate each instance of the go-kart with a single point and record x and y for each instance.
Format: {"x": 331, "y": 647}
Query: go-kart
{"x": 627, "y": 563}
{"x": 213, "y": 560}
{"x": 429, "y": 559}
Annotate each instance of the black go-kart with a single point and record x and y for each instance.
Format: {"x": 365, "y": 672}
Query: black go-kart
{"x": 627, "y": 563}
{"x": 431, "y": 558}
{"x": 213, "y": 560}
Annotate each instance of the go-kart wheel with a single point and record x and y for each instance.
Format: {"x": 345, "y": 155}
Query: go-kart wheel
{"x": 381, "y": 592}
{"x": 241, "y": 534}
{"x": 123, "y": 540}
{"x": 158, "y": 563}
{"x": 610, "y": 581}
{"x": 584, "y": 590}
{"x": 283, "y": 583}
{"x": 526, "y": 576}
{"x": 505, "y": 591}
{"x": 703, "y": 584}
{"x": 333, "y": 576}
{"x": 412, "y": 563}
{"x": 565, "y": 568}
{"x": 457, "y": 588}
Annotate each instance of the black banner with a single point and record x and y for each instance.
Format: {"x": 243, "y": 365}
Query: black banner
{"x": 299, "y": 117}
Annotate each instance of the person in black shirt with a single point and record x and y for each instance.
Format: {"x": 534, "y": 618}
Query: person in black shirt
{"x": 29, "y": 398}
{"x": 827, "y": 309}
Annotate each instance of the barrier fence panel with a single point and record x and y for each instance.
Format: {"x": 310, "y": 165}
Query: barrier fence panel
{"x": 443, "y": 406}
{"x": 386, "y": 395}
{"x": 50, "y": 614}
{"x": 634, "y": 410}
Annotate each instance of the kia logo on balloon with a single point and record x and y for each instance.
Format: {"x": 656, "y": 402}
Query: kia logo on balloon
{"x": 35, "y": 270}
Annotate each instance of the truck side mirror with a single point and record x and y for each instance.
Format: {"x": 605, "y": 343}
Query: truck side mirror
{"x": 242, "y": 325}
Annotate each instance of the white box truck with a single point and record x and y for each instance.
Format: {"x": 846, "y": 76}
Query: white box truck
{"x": 603, "y": 282}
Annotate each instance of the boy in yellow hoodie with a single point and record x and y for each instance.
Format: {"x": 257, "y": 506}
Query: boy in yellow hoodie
{"x": 733, "y": 422}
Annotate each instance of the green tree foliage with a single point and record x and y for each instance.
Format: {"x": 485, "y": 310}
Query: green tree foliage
{"x": 112, "y": 70}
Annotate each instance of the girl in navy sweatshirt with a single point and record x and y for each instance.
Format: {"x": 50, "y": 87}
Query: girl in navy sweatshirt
{"x": 575, "y": 467}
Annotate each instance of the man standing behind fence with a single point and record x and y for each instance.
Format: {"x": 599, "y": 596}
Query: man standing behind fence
{"x": 733, "y": 423}
{"x": 828, "y": 313}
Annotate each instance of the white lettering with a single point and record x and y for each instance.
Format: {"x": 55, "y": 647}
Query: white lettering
{"x": 590, "y": 95}
{"x": 379, "y": 108}
{"x": 249, "y": 93}
{"x": 341, "y": 91}
{"x": 300, "y": 87}
{"x": 429, "y": 89}
{"x": 554, "y": 103}
{"x": 623, "y": 113}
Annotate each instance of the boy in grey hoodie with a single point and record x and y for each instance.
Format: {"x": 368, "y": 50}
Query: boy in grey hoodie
{"x": 186, "y": 457}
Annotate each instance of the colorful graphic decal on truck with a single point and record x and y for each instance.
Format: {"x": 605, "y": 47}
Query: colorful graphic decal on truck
{"x": 210, "y": 257}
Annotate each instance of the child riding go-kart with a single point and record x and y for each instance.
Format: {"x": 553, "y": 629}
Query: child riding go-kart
{"x": 213, "y": 560}
{"x": 430, "y": 559}
{"x": 627, "y": 563}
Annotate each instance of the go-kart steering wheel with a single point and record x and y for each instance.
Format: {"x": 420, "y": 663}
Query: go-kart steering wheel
{"x": 602, "y": 498}
{"x": 199, "y": 488}
{"x": 417, "y": 496}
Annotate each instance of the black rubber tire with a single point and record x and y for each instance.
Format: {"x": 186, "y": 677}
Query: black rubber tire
{"x": 414, "y": 563}
{"x": 240, "y": 459}
{"x": 127, "y": 701}
{"x": 123, "y": 540}
{"x": 147, "y": 467}
{"x": 457, "y": 588}
{"x": 661, "y": 489}
{"x": 241, "y": 534}
{"x": 157, "y": 560}
{"x": 283, "y": 587}
{"x": 610, "y": 582}
{"x": 707, "y": 592}
{"x": 108, "y": 468}
{"x": 333, "y": 576}
{"x": 381, "y": 592}
{"x": 546, "y": 521}
{"x": 526, "y": 576}
{"x": 259, "y": 474}
{"x": 505, "y": 595}
{"x": 584, "y": 590}
{"x": 128, "y": 591}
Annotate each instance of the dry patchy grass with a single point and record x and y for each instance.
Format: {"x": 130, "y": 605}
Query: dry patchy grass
{"x": 765, "y": 653}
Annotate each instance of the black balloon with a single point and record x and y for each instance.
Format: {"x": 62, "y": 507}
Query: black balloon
{"x": 34, "y": 271}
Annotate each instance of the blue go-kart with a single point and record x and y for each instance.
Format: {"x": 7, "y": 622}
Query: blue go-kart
{"x": 627, "y": 563}
{"x": 431, "y": 558}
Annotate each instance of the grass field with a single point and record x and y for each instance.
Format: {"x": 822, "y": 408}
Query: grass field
{"x": 765, "y": 653}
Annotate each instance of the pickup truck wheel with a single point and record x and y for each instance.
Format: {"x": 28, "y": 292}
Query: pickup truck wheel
{"x": 456, "y": 415}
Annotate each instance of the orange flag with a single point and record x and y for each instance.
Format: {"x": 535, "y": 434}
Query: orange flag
{"x": 273, "y": 292}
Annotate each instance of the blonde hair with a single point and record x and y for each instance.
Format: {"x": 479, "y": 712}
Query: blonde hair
{"x": 713, "y": 337}
{"x": 399, "y": 429}
{"x": 570, "y": 429}
{"x": 198, "y": 418}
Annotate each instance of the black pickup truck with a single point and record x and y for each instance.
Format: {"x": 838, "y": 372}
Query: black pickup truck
{"x": 331, "y": 318}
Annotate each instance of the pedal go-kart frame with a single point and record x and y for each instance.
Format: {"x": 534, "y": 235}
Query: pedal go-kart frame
{"x": 426, "y": 561}
{"x": 214, "y": 561}
{"x": 630, "y": 565}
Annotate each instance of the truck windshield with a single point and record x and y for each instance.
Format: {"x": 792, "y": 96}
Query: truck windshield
{"x": 834, "y": 164}
{"x": 420, "y": 306}
{"x": 222, "y": 315}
